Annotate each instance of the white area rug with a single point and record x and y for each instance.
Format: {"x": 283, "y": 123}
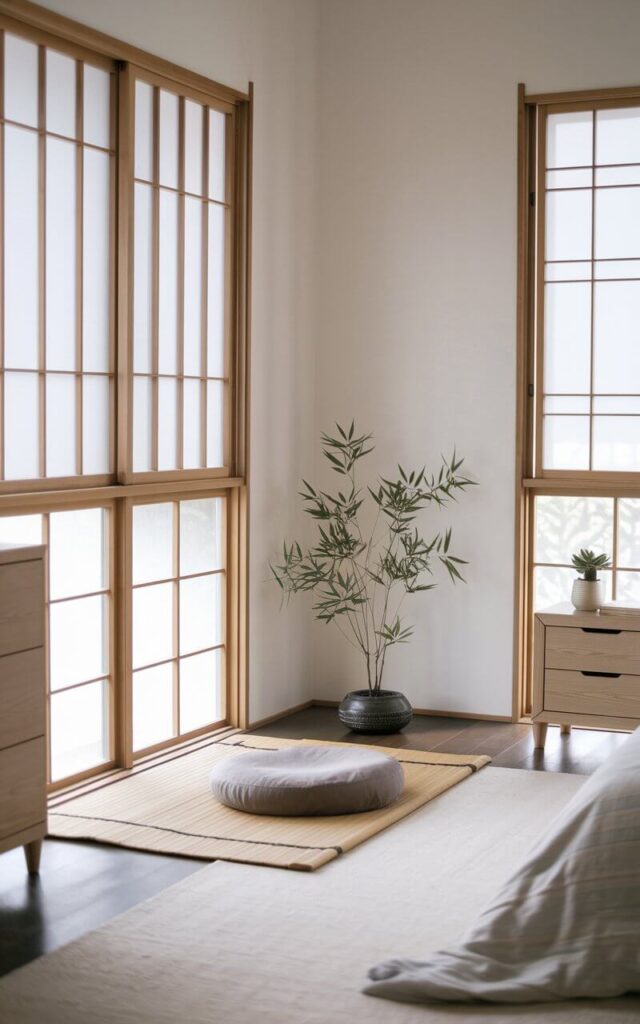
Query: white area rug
{"x": 234, "y": 944}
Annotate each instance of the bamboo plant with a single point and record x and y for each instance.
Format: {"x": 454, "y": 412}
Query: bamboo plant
{"x": 360, "y": 578}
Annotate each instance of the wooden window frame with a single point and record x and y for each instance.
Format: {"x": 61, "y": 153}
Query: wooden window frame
{"x": 119, "y": 490}
{"x": 531, "y": 479}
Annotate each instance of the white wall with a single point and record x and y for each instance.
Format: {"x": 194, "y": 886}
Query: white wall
{"x": 417, "y": 287}
{"x": 274, "y": 45}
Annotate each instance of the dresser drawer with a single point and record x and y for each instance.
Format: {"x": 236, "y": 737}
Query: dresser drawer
{"x": 615, "y": 696}
{"x": 21, "y": 606}
{"x": 595, "y": 650}
{"x": 22, "y": 697}
{"x": 22, "y": 786}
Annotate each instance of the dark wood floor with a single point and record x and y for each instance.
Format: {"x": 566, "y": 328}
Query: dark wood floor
{"x": 83, "y": 885}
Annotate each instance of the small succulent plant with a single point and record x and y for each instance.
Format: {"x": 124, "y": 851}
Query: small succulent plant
{"x": 587, "y": 563}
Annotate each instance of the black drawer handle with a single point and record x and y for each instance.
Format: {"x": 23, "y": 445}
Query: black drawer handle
{"x": 603, "y": 675}
{"x": 590, "y": 629}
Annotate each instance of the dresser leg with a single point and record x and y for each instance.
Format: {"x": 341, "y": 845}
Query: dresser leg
{"x": 565, "y": 730}
{"x": 539, "y": 734}
{"x": 32, "y": 853}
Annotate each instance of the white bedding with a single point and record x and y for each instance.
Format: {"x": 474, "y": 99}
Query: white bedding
{"x": 567, "y": 923}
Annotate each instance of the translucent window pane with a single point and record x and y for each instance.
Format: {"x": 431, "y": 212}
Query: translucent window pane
{"x": 217, "y": 129}
{"x": 200, "y": 690}
{"x": 168, "y": 139}
{"x": 617, "y": 268}
{"x": 624, "y": 404}
{"x": 97, "y": 106}
{"x": 215, "y": 423}
{"x": 215, "y": 292}
{"x": 61, "y": 94}
{"x": 61, "y": 255}
{"x": 143, "y": 274}
{"x": 628, "y": 533}
{"x": 570, "y": 139}
{"x": 617, "y": 218}
{"x": 201, "y": 524}
{"x": 567, "y": 404}
{"x": 628, "y": 586}
{"x": 21, "y": 529}
{"x": 152, "y": 542}
{"x": 193, "y": 148}
{"x": 193, "y": 286}
{"x": 616, "y": 352}
{"x": 618, "y": 136}
{"x": 565, "y": 524}
{"x": 168, "y": 284}
{"x": 152, "y": 624}
{"x": 200, "y": 613}
{"x": 568, "y": 226}
{"x": 77, "y": 552}
{"x": 566, "y": 442}
{"x": 61, "y": 424}
{"x": 552, "y": 585}
{"x": 21, "y": 426}
{"x": 21, "y": 242}
{"x": 167, "y": 423}
{"x": 618, "y": 175}
{"x": 78, "y": 638}
{"x": 567, "y": 336}
{"x": 568, "y": 271}
{"x": 20, "y": 80}
{"x": 192, "y": 425}
{"x": 79, "y": 729}
{"x": 570, "y": 178}
{"x": 616, "y": 443}
{"x": 95, "y": 261}
{"x": 96, "y": 457}
{"x": 144, "y": 131}
{"x": 141, "y": 424}
{"x": 152, "y": 706}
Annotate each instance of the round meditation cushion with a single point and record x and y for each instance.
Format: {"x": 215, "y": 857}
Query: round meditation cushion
{"x": 308, "y": 780}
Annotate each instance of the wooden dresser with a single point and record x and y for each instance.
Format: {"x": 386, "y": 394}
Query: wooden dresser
{"x": 586, "y": 670}
{"x": 23, "y": 799}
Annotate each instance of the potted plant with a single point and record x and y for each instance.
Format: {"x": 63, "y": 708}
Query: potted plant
{"x": 361, "y": 576}
{"x": 587, "y": 593}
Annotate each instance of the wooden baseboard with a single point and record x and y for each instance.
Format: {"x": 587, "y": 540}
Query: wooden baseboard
{"x": 428, "y": 711}
{"x": 280, "y": 714}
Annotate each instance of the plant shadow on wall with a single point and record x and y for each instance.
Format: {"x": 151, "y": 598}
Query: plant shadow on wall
{"x": 361, "y": 577}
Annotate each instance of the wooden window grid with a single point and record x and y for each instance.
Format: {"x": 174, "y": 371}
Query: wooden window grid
{"x": 121, "y": 488}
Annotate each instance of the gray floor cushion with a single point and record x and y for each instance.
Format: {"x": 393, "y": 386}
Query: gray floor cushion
{"x": 309, "y": 780}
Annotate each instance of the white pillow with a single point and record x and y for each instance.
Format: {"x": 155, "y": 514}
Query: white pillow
{"x": 566, "y": 925}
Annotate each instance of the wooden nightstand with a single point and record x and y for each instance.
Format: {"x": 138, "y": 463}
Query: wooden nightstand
{"x": 586, "y": 670}
{"x": 23, "y": 781}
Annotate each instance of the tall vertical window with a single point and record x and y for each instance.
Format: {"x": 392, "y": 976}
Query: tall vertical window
{"x": 580, "y": 345}
{"x": 124, "y": 212}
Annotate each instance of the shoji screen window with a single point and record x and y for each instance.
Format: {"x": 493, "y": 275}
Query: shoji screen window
{"x": 79, "y": 599}
{"x": 56, "y": 249}
{"x": 181, "y": 308}
{"x": 178, "y": 619}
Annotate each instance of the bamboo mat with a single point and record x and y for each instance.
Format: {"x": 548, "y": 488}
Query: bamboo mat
{"x": 169, "y": 808}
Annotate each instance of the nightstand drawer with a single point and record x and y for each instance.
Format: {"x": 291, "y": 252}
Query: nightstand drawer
{"x": 592, "y": 694}
{"x": 22, "y": 793}
{"x": 21, "y": 606}
{"x": 595, "y": 649}
{"x": 23, "y": 697}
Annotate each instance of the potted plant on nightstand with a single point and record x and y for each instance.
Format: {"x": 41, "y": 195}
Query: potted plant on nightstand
{"x": 360, "y": 577}
{"x": 587, "y": 593}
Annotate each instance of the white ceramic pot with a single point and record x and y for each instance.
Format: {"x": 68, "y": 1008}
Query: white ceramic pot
{"x": 587, "y": 595}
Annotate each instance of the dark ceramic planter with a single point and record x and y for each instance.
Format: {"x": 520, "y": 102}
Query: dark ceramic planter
{"x": 381, "y": 712}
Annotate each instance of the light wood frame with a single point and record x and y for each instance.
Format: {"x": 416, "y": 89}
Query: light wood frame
{"x": 531, "y": 479}
{"x": 118, "y": 491}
